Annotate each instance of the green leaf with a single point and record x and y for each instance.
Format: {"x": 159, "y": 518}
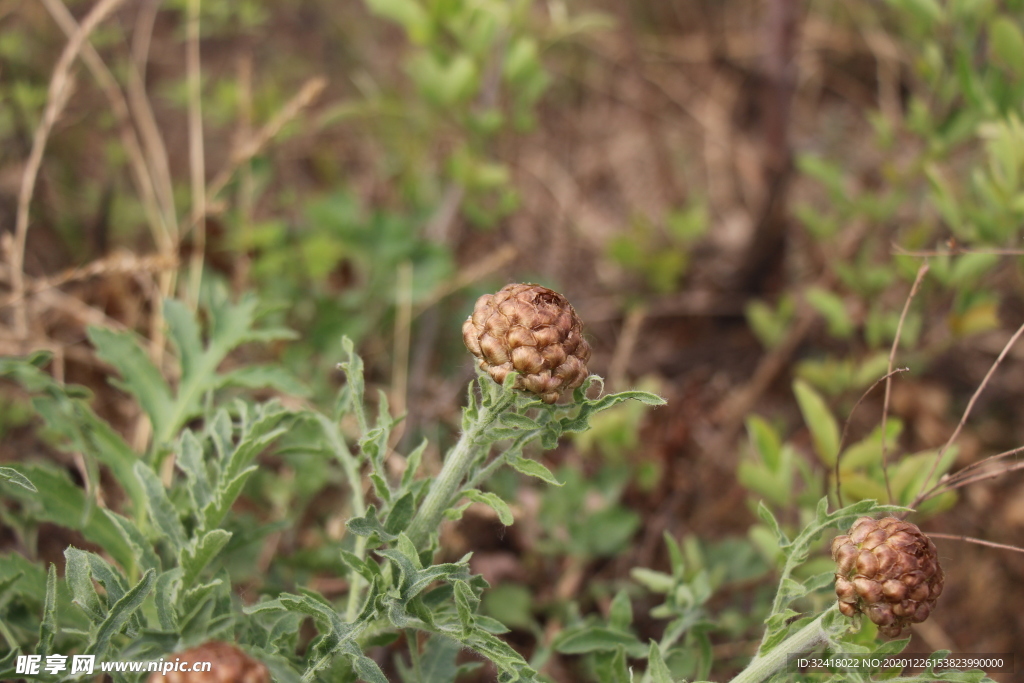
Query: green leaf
{"x": 518, "y": 421}
{"x": 68, "y": 414}
{"x": 533, "y": 468}
{"x": 620, "y": 614}
{"x": 368, "y": 524}
{"x": 78, "y": 576}
{"x": 465, "y": 605}
{"x": 122, "y": 610}
{"x": 819, "y": 420}
{"x": 766, "y": 515}
{"x": 59, "y": 501}
{"x": 48, "y": 626}
{"x": 142, "y": 379}
{"x": 582, "y": 640}
{"x": 166, "y": 597}
{"x": 412, "y": 464}
{"x": 765, "y": 440}
{"x": 654, "y": 581}
{"x": 400, "y": 515}
{"x": 17, "y": 478}
{"x": 200, "y": 551}
{"x": 190, "y": 461}
{"x": 260, "y": 376}
{"x": 183, "y": 330}
{"x": 494, "y": 502}
{"x": 368, "y": 570}
{"x": 408, "y": 14}
{"x": 367, "y": 669}
{"x": 161, "y": 509}
{"x": 510, "y": 604}
{"x": 1006, "y": 44}
{"x": 227, "y": 493}
{"x": 831, "y": 307}
{"x": 657, "y": 668}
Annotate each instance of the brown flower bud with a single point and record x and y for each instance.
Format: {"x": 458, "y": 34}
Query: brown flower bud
{"x": 534, "y": 331}
{"x": 889, "y": 570}
{"x": 228, "y": 664}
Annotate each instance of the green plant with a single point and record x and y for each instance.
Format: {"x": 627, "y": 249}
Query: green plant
{"x": 164, "y": 579}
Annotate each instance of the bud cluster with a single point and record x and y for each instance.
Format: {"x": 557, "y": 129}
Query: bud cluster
{"x": 889, "y": 570}
{"x": 534, "y": 331}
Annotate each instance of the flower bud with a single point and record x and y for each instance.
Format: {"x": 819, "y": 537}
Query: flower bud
{"x": 889, "y": 570}
{"x": 534, "y": 331}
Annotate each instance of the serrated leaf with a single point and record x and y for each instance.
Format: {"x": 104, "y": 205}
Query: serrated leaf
{"x": 227, "y": 493}
{"x": 465, "y": 605}
{"x": 184, "y": 332}
{"x": 124, "y": 351}
{"x": 775, "y": 630}
{"x": 200, "y": 551}
{"x": 190, "y": 461}
{"x": 368, "y": 570}
{"x": 166, "y": 597}
{"x": 769, "y": 519}
{"x": 78, "y": 576}
{"x": 87, "y": 433}
{"x": 494, "y": 502}
{"x": 59, "y": 501}
{"x": 791, "y": 589}
{"x": 161, "y": 511}
{"x": 368, "y": 524}
{"x": 120, "y": 612}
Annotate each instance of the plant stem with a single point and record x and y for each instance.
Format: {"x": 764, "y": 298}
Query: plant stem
{"x": 456, "y": 465}
{"x": 764, "y": 666}
{"x": 351, "y": 468}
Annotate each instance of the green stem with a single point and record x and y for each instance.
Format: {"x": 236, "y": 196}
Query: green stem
{"x": 351, "y": 468}
{"x": 485, "y": 472}
{"x": 764, "y": 666}
{"x": 456, "y": 465}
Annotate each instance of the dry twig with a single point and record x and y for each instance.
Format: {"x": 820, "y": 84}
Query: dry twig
{"x": 57, "y": 96}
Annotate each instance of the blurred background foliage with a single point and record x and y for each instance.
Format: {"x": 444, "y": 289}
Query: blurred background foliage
{"x": 737, "y": 197}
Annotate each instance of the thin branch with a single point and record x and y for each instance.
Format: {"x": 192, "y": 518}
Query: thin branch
{"x": 967, "y": 469}
{"x": 144, "y": 117}
{"x": 119, "y": 106}
{"x": 57, "y": 97}
{"x": 888, "y": 381}
{"x": 954, "y": 250}
{"x": 977, "y": 541}
{"x": 953, "y": 483}
{"x": 118, "y": 262}
{"x": 196, "y": 156}
{"x": 967, "y": 411}
{"x": 849, "y": 418}
{"x": 310, "y": 90}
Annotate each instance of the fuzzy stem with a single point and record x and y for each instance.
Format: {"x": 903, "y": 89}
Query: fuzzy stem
{"x": 456, "y": 466}
{"x": 762, "y": 667}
